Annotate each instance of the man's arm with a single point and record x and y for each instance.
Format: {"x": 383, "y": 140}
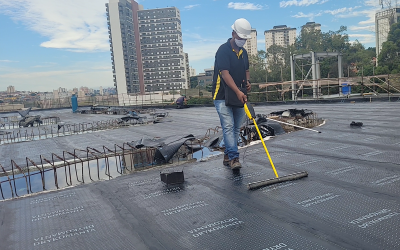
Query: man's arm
{"x": 248, "y": 86}
{"x": 231, "y": 84}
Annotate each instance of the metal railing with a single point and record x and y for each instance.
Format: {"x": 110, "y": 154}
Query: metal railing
{"x": 263, "y": 92}
{"x": 12, "y": 122}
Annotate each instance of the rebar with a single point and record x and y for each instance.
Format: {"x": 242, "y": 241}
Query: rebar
{"x": 42, "y": 132}
{"x": 127, "y": 157}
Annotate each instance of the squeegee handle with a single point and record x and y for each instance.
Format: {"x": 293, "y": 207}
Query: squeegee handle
{"x": 265, "y": 147}
{"x": 297, "y": 126}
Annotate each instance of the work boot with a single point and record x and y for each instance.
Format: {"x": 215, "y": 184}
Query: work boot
{"x": 235, "y": 164}
{"x": 226, "y": 160}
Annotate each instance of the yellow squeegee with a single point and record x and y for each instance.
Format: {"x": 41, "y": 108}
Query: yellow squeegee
{"x": 248, "y": 108}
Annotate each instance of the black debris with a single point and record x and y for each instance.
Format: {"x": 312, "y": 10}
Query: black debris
{"x": 293, "y": 113}
{"x": 356, "y": 124}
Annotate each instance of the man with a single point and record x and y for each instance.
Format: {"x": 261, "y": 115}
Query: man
{"x": 231, "y": 70}
{"x": 181, "y": 102}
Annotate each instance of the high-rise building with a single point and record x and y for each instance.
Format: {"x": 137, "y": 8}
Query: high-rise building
{"x": 162, "y": 49}
{"x": 125, "y": 46}
{"x": 251, "y": 44}
{"x": 192, "y": 71}
{"x": 10, "y": 89}
{"x": 280, "y": 35}
{"x": 187, "y": 72}
{"x": 383, "y": 20}
{"x": 60, "y": 94}
{"x": 86, "y": 90}
{"x": 146, "y": 48}
{"x": 62, "y": 89}
{"x": 311, "y": 26}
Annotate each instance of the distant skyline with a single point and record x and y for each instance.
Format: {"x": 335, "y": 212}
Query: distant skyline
{"x": 58, "y": 89}
{"x": 48, "y": 44}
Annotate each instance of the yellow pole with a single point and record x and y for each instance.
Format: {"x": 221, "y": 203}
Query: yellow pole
{"x": 265, "y": 147}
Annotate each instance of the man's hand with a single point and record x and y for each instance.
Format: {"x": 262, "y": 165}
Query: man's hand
{"x": 241, "y": 96}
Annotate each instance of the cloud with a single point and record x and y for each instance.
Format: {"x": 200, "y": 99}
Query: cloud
{"x": 245, "y": 6}
{"x": 189, "y": 7}
{"x": 310, "y": 16}
{"x": 45, "y": 65}
{"x": 361, "y": 35}
{"x": 8, "y": 61}
{"x": 370, "y": 13}
{"x": 74, "y": 24}
{"x": 336, "y": 12}
{"x": 373, "y": 3}
{"x": 358, "y": 28}
{"x": 363, "y": 38}
{"x": 285, "y": 4}
{"x": 341, "y": 10}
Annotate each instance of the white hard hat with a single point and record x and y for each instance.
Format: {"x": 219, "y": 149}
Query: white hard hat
{"x": 242, "y": 27}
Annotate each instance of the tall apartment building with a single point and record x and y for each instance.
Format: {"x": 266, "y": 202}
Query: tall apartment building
{"x": 251, "y": 44}
{"x": 125, "y": 46}
{"x": 280, "y": 35}
{"x": 162, "y": 49}
{"x": 311, "y": 26}
{"x": 57, "y": 94}
{"x": 192, "y": 71}
{"x": 147, "y": 49}
{"x": 383, "y": 20}
{"x": 187, "y": 72}
{"x": 10, "y": 89}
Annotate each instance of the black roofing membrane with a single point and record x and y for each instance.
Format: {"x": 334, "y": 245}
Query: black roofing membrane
{"x": 350, "y": 200}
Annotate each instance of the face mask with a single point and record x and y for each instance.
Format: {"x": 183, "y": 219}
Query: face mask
{"x": 240, "y": 43}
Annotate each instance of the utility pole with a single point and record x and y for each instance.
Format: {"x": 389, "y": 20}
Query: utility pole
{"x": 362, "y": 80}
{"x": 150, "y": 86}
{"x": 266, "y": 70}
{"x": 388, "y": 82}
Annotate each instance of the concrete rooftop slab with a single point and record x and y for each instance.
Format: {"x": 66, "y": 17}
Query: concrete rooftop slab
{"x": 351, "y": 199}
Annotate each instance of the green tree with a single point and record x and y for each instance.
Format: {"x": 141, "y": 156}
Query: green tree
{"x": 389, "y": 60}
{"x": 335, "y": 41}
{"x": 356, "y": 59}
{"x": 278, "y": 63}
{"x": 309, "y": 40}
{"x": 258, "y": 72}
{"x": 193, "y": 82}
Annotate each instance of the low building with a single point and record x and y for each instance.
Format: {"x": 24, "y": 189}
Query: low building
{"x": 311, "y": 26}
{"x": 206, "y": 78}
{"x": 46, "y": 96}
{"x": 251, "y": 44}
